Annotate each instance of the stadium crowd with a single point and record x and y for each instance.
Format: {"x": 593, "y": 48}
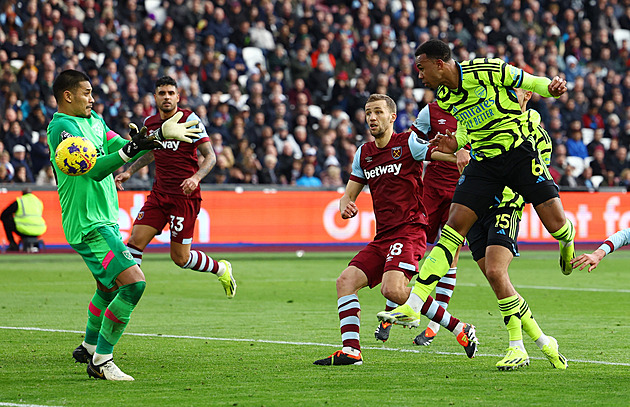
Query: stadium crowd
{"x": 280, "y": 85}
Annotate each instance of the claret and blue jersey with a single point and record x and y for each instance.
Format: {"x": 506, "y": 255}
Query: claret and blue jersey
{"x": 394, "y": 175}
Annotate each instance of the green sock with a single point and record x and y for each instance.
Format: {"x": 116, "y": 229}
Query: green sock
{"x": 117, "y": 316}
{"x": 96, "y": 310}
{"x": 509, "y": 308}
{"x": 530, "y": 326}
{"x": 438, "y": 262}
{"x": 565, "y": 234}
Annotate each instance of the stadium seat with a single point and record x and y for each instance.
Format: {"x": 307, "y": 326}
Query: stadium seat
{"x": 252, "y": 56}
{"x": 17, "y": 64}
{"x": 620, "y": 35}
{"x": 606, "y": 143}
{"x": 84, "y": 39}
{"x": 587, "y": 135}
{"x": 242, "y": 80}
{"x": 315, "y": 111}
{"x": 587, "y": 161}
{"x": 577, "y": 163}
{"x": 418, "y": 94}
{"x": 597, "y": 180}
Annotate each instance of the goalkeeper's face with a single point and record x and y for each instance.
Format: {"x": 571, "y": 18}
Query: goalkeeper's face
{"x": 166, "y": 98}
{"x": 81, "y": 100}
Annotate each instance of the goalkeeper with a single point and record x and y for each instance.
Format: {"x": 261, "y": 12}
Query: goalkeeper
{"x": 89, "y": 212}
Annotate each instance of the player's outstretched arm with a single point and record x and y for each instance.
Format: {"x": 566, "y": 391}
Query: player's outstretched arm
{"x": 591, "y": 260}
{"x": 544, "y": 86}
{"x": 107, "y": 164}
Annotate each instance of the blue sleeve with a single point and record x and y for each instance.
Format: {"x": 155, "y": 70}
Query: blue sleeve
{"x": 204, "y": 133}
{"x": 418, "y": 147}
{"x": 423, "y": 121}
{"x": 618, "y": 239}
{"x": 357, "y": 171}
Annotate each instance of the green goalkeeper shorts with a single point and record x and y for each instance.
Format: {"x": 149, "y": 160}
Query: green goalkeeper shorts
{"x": 105, "y": 254}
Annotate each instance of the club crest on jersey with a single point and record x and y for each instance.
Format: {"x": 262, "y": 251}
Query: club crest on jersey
{"x": 396, "y": 152}
{"x": 64, "y": 135}
{"x": 140, "y": 215}
{"x": 127, "y": 255}
{"x": 481, "y": 92}
{"x": 461, "y": 180}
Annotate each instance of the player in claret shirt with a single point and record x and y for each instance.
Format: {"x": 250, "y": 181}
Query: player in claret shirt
{"x": 392, "y": 168}
{"x": 176, "y": 196}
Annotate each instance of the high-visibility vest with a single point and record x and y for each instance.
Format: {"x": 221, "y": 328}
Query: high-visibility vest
{"x": 28, "y": 218}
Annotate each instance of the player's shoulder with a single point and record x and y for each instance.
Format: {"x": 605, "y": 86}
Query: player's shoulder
{"x": 479, "y": 64}
{"x": 187, "y": 114}
{"x": 62, "y": 121}
{"x": 153, "y": 120}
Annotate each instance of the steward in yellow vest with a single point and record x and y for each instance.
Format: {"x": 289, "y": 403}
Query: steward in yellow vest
{"x": 23, "y": 217}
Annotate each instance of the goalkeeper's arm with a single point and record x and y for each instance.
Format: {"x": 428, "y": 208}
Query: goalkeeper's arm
{"x": 126, "y": 152}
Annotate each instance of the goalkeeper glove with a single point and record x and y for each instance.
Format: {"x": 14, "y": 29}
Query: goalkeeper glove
{"x": 139, "y": 141}
{"x": 172, "y": 130}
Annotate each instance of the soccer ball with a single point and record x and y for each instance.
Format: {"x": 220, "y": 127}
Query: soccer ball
{"x": 75, "y": 156}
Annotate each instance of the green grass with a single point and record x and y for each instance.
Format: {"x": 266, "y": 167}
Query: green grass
{"x": 226, "y": 360}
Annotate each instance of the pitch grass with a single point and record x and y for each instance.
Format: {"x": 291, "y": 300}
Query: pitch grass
{"x": 285, "y": 298}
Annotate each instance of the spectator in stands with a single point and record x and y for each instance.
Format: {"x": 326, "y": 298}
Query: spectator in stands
{"x": 308, "y": 178}
{"x": 544, "y": 38}
{"x": 233, "y": 61}
{"x": 4, "y": 176}
{"x": 268, "y": 173}
{"x": 598, "y": 164}
{"x": 46, "y": 176}
{"x": 19, "y": 160}
{"x": 575, "y": 145}
{"x": 618, "y": 161}
{"x": 40, "y": 153}
{"x": 592, "y": 118}
{"x": 624, "y": 178}
{"x": 598, "y": 135}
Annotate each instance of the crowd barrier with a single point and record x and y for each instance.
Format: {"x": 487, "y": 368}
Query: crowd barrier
{"x": 292, "y": 218}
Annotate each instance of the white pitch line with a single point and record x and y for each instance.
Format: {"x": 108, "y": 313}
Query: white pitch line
{"x": 24, "y": 405}
{"x": 210, "y": 338}
{"x": 543, "y": 287}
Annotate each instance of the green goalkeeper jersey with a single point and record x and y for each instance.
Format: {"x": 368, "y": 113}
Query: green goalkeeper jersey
{"x": 89, "y": 200}
{"x": 486, "y": 107}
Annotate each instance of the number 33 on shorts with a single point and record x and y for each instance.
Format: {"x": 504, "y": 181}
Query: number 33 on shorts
{"x": 177, "y": 223}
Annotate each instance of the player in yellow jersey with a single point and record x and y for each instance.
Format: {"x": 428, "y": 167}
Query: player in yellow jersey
{"x": 479, "y": 94}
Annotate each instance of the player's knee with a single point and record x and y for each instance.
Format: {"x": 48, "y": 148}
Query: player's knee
{"x": 393, "y": 293}
{"x": 179, "y": 259}
{"x": 494, "y": 275}
{"x": 132, "y": 292}
{"x": 346, "y": 283}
